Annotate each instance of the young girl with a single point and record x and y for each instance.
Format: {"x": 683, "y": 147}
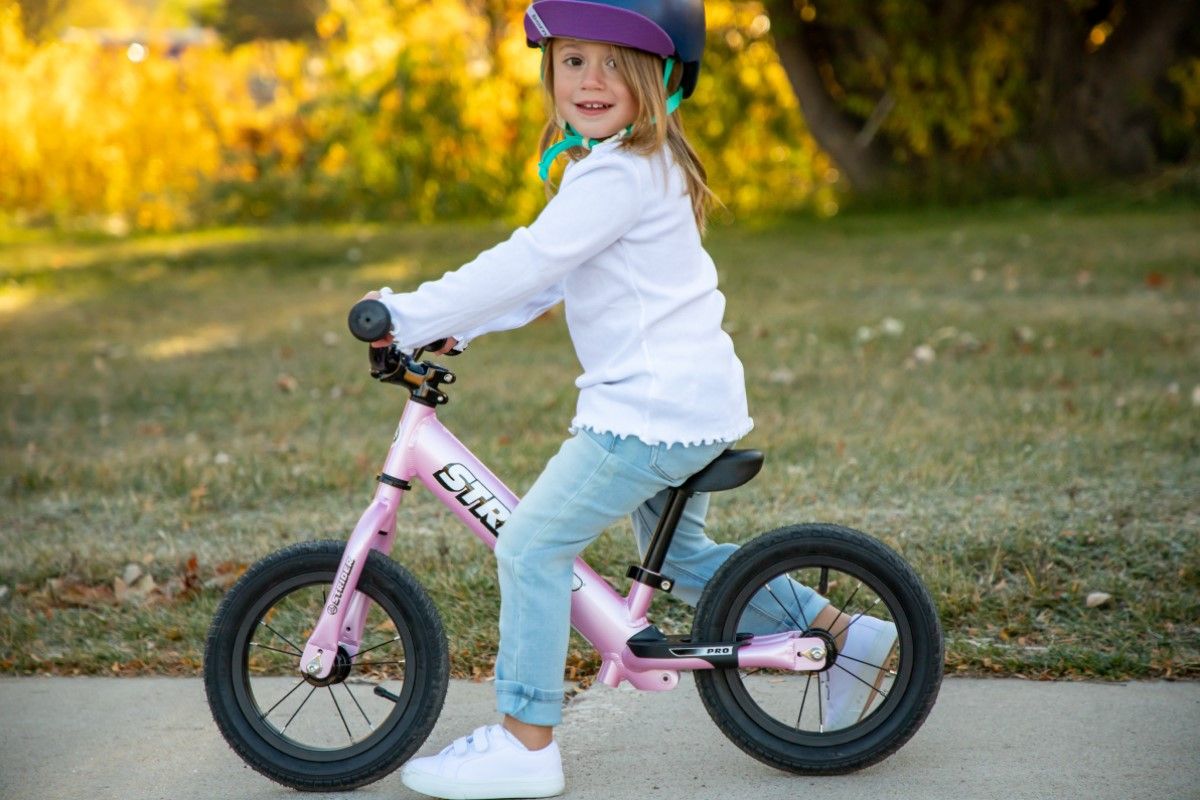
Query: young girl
{"x": 661, "y": 394}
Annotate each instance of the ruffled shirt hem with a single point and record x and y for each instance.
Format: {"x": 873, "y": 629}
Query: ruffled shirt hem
{"x": 729, "y": 436}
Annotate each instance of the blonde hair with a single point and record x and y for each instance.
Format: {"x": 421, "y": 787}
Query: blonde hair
{"x": 652, "y": 128}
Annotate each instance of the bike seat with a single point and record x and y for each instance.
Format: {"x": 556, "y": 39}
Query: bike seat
{"x": 727, "y": 471}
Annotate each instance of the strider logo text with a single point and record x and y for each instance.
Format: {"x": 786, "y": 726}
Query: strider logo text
{"x": 474, "y": 495}
{"x": 339, "y": 587}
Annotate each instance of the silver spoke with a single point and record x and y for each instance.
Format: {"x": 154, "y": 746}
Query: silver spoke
{"x": 338, "y": 706}
{"x": 297, "y": 711}
{"x": 355, "y": 699}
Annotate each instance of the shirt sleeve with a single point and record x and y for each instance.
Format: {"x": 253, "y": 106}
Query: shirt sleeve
{"x": 534, "y": 308}
{"x": 596, "y": 205}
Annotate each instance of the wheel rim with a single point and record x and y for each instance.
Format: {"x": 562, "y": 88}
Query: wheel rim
{"x": 320, "y": 723}
{"x": 792, "y": 705}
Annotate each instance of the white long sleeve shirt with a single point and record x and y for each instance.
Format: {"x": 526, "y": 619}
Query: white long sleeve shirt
{"x": 618, "y": 245}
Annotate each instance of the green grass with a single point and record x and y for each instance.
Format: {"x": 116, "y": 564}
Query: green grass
{"x": 196, "y": 395}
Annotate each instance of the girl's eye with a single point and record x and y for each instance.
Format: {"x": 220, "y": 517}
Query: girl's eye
{"x": 611, "y": 63}
{"x": 573, "y": 61}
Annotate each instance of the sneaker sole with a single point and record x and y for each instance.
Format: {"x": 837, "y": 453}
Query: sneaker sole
{"x": 489, "y": 790}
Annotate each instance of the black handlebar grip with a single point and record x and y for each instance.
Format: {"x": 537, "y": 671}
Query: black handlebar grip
{"x": 370, "y": 320}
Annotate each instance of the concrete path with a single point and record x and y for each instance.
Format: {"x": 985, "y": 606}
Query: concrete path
{"x": 151, "y": 738}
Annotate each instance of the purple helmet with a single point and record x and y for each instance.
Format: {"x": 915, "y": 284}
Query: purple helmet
{"x": 663, "y": 27}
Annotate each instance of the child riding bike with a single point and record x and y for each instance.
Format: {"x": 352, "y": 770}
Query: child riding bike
{"x": 662, "y": 391}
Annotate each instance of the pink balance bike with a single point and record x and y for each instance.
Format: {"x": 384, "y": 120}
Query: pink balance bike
{"x": 326, "y": 665}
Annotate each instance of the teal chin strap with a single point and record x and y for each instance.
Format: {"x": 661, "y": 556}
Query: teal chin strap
{"x": 572, "y": 138}
{"x": 674, "y": 100}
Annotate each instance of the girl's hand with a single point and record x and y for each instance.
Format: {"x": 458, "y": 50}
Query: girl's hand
{"x": 446, "y": 348}
{"x": 385, "y": 341}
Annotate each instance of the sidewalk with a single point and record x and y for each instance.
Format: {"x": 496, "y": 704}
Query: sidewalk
{"x": 152, "y": 738}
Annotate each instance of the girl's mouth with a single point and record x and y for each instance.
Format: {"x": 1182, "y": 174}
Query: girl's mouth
{"x": 593, "y": 109}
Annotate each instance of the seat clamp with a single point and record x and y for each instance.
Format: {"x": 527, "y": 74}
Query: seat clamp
{"x": 399, "y": 483}
{"x": 653, "y": 579}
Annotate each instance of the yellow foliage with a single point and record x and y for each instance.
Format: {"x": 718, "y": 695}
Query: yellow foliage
{"x": 401, "y": 108}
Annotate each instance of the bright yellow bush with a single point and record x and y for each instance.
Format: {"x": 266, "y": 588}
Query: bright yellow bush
{"x": 86, "y": 132}
{"x": 401, "y": 109}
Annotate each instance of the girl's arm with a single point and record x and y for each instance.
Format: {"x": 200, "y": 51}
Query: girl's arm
{"x": 537, "y": 305}
{"x": 596, "y": 205}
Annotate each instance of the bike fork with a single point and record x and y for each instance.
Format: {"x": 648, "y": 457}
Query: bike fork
{"x": 345, "y": 611}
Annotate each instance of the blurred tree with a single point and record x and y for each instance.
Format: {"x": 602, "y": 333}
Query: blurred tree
{"x": 1051, "y": 89}
{"x": 40, "y": 17}
{"x": 42, "y": 20}
{"x": 240, "y": 21}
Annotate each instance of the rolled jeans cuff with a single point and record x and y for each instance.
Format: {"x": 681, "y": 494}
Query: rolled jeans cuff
{"x": 529, "y": 705}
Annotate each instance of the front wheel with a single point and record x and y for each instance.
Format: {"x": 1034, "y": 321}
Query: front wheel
{"x": 374, "y": 710}
{"x": 875, "y": 692}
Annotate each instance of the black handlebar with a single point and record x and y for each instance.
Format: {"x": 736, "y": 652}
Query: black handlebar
{"x": 370, "y": 320}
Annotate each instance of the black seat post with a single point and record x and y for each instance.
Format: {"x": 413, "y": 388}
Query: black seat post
{"x": 660, "y": 542}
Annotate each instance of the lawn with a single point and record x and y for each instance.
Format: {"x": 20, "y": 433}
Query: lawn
{"x": 1010, "y": 396}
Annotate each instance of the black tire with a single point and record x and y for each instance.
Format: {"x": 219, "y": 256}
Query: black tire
{"x": 754, "y": 708}
{"x": 335, "y": 741}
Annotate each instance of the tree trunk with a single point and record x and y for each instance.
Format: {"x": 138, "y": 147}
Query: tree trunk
{"x": 837, "y": 134}
{"x": 1092, "y": 112}
{"x": 1094, "y": 108}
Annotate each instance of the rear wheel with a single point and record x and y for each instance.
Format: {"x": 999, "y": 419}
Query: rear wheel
{"x": 785, "y": 718}
{"x": 369, "y": 716}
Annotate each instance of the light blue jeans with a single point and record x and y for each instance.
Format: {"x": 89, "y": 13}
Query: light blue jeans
{"x": 593, "y": 481}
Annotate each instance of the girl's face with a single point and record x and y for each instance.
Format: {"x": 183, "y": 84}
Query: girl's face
{"x": 589, "y": 92}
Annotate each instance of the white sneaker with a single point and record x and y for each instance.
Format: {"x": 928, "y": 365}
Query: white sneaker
{"x": 854, "y": 680}
{"x": 490, "y": 763}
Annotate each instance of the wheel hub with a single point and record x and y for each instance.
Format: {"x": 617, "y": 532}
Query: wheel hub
{"x": 831, "y": 651}
{"x": 341, "y": 670}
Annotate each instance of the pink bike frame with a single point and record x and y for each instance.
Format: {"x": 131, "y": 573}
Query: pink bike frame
{"x": 425, "y": 450}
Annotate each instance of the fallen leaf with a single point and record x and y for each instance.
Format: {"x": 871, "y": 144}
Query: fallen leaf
{"x": 71, "y": 591}
{"x": 191, "y": 576}
{"x": 197, "y": 496}
{"x": 783, "y": 376}
{"x": 222, "y": 582}
{"x": 1097, "y": 599}
{"x": 1023, "y": 334}
{"x": 287, "y": 383}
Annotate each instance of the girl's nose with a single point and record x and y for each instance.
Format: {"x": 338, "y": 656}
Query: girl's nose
{"x": 593, "y": 75}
